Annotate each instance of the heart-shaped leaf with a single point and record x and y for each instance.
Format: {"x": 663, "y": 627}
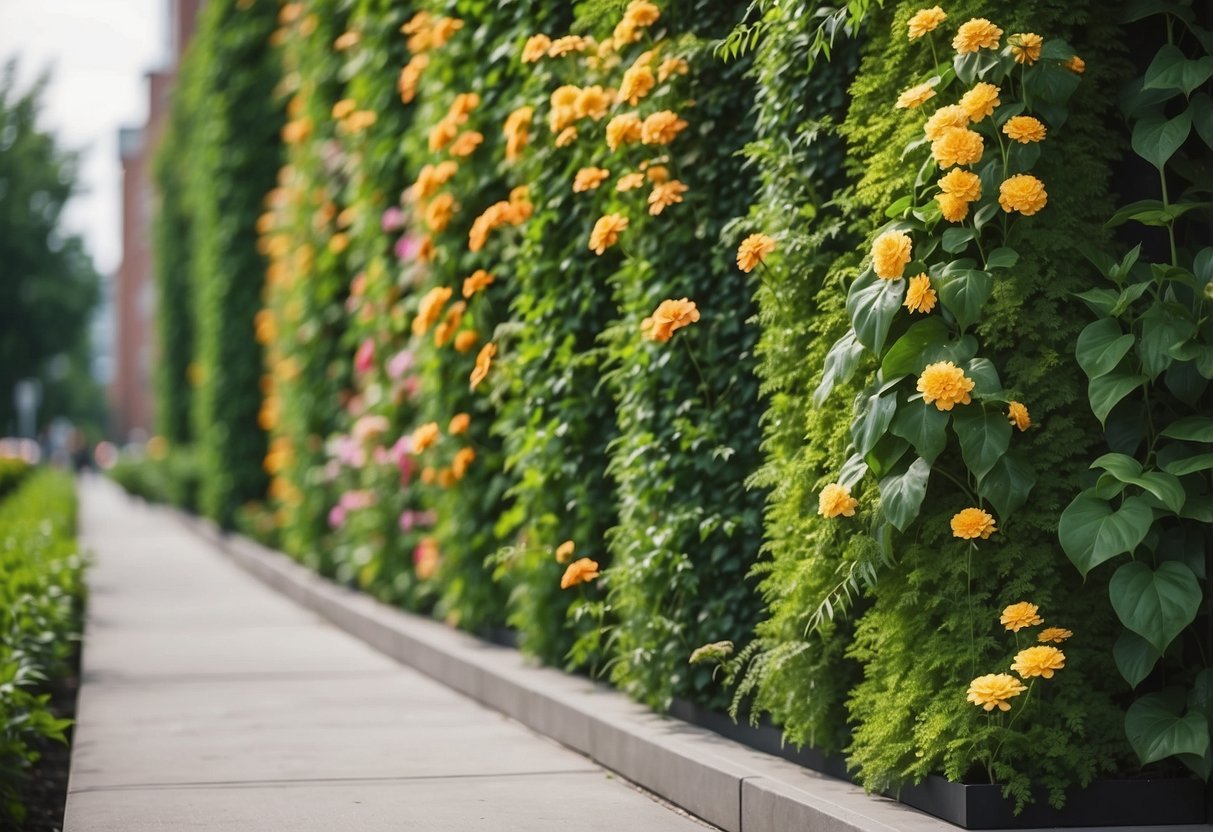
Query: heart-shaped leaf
{"x": 901, "y": 495}
{"x": 984, "y": 436}
{"x": 1157, "y": 727}
{"x": 1101, "y": 346}
{"x": 1091, "y": 532}
{"x": 1155, "y": 604}
{"x": 871, "y": 303}
{"x": 923, "y": 426}
{"x": 1135, "y": 657}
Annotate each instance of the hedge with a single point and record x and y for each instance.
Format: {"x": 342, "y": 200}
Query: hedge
{"x": 41, "y": 589}
{"x": 641, "y": 395}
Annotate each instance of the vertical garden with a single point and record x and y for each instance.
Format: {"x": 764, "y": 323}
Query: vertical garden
{"x": 845, "y": 367}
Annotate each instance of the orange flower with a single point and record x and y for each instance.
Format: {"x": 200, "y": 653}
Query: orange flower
{"x": 463, "y": 458}
{"x": 430, "y": 308}
{"x": 1054, "y": 634}
{"x": 1038, "y": 661}
{"x": 945, "y": 384}
{"x": 957, "y": 146}
{"x": 442, "y": 134}
{"x": 567, "y": 136}
{"x": 665, "y": 195}
{"x": 346, "y": 41}
{"x": 1018, "y": 616}
{"x": 484, "y": 360}
{"x": 467, "y": 143}
{"x": 979, "y": 102}
{"x": 891, "y": 251}
{"x": 672, "y": 66}
{"x": 445, "y": 331}
{"x": 972, "y": 523}
{"x": 1024, "y": 193}
{"x": 1025, "y": 129}
{"x": 920, "y": 295}
{"x": 952, "y": 207}
{"x": 637, "y": 82}
{"x": 580, "y": 571}
{"x": 1025, "y": 47}
{"x": 951, "y": 115}
{"x": 439, "y": 212}
{"x": 425, "y": 437}
{"x": 623, "y": 129}
{"x": 592, "y": 102}
{"x": 535, "y": 48}
{"x": 916, "y": 96}
{"x": 465, "y": 340}
{"x": 629, "y": 182}
{"x": 565, "y": 551}
{"x": 669, "y": 317}
{"x": 926, "y": 20}
{"x": 1076, "y": 65}
{"x": 754, "y": 250}
{"x": 1017, "y": 414}
{"x": 426, "y": 558}
{"x": 478, "y": 280}
{"x": 588, "y": 179}
{"x": 433, "y": 177}
{"x": 344, "y": 107}
{"x": 976, "y": 34}
{"x": 836, "y": 501}
{"x": 961, "y": 183}
{"x": 459, "y": 424}
{"x": 661, "y": 127}
{"x": 517, "y": 132}
{"x": 606, "y": 232}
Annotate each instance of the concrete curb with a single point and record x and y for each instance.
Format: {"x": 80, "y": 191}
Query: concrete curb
{"x": 723, "y": 782}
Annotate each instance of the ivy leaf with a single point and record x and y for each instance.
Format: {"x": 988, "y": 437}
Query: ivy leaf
{"x": 1190, "y": 429}
{"x": 1008, "y": 484}
{"x": 871, "y": 303}
{"x": 901, "y": 495}
{"x": 924, "y": 426}
{"x": 1156, "y": 139}
{"x": 1091, "y": 532}
{"x": 984, "y": 437}
{"x": 907, "y": 355}
{"x": 840, "y": 364}
{"x": 873, "y": 413}
{"x": 1172, "y": 70}
{"x": 1155, "y": 604}
{"x": 1101, "y": 346}
{"x": 963, "y": 292}
{"x": 1002, "y": 258}
{"x": 1135, "y": 657}
{"x": 1106, "y": 392}
{"x": 1157, "y": 727}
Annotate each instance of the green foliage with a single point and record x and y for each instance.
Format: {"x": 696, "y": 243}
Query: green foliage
{"x": 224, "y": 198}
{"x": 173, "y": 477}
{"x": 13, "y": 472}
{"x": 1148, "y": 358}
{"x": 41, "y": 588}
{"x": 48, "y": 285}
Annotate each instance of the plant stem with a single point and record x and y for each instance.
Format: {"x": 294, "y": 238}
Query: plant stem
{"x": 1166, "y": 204}
{"x": 703, "y": 382}
{"x": 969, "y": 593}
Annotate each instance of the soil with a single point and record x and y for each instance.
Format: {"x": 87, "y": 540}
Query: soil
{"x": 46, "y": 790}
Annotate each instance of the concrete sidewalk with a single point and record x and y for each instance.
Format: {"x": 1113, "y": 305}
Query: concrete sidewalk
{"x": 210, "y": 702}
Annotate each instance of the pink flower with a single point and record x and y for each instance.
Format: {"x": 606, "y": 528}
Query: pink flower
{"x": 401, "y": 453}
{"x": 358, "y": 284}
{"x": 406, "y": 247}
{"x": 364, "y": 359}
{"x": 349, "y": 451}
{"x": 381, "y": 455}
{"x": 336, "y": 517}
{"x": 410, "y": 520}
{"x": 412, "y": 386}
{"x": 368, "y": 427}
{"x": 392, "y": 219}
{"x": 399, "y": 364}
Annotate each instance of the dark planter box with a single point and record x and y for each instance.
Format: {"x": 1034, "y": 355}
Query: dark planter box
{"x": 1103, "y": 803}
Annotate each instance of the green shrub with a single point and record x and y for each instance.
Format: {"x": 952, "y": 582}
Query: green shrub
{"x": 13, "y": 472}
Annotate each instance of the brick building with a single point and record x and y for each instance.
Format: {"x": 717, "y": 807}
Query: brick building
{"x": 133, "y": 284}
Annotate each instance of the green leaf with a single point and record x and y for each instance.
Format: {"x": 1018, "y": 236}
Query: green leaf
{"x": 1101, "y": 346}
{"x": 1158, "y": 728}
{"x": 1156, "y": 139}
{"x": 1122, "y": 466}
{"x": 871, "y": 303}
{"x": 1007, "y": 485}
{"x": 899, "y": 207}
{"x": 907, "y": 354}
{"x": 1172, "y": 70}
{"x": 924, "y": 426}
{"x": 1202, "y": 267}
{"x": 984, "y": 436}
{"x": 1190, "y": 465}
{"x": 956, "y": 239}
{"x": 852, "y": 471}
{"x": 1155, "y": 604}
{"x": 840, "y": 364}
{"x": 882, "y": 459}
{"x": 1135, "y": 657}
{"x": 1107, "y": 391}
{"x": 1201, "y": 107}
{"x": 963, "y": 292}
{"x": 1152, "y": 212}
{"x": 959, "y": 352}
{"x": 1099, "y": 301}
{"x": 1091, "y": 532}
{"x": 1166, "y": 487}
{"x": 873, "y": 413}
{"x": 1200, "y": 698}
{"x": 901, "y": 495}
{"x": 1160, "y": 333}
{"x": 1050, "y": 82}
{"x": 984, "y": 376}
{"x": 1002, "y": 258}
{"x": 1190, "y": 429}
{"x": 1198, "y": 508}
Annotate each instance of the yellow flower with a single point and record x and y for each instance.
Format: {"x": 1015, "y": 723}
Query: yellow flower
{"x": 459, "y": 424}
{"x": 567, "y": 136}
{"x": 430, "y": 308}
{"x": 442, "y": 134}
{"x": 433, "y": 177}
{"x": 957, "y": 146}
{"x": 926, "y": 20}
{"x": 623, "y": 129}
{"x": 661, "y": 127}
{"x": 439, "y": 212}
{"x": 428, "y": 474}
{"x": 465, "y": 340}
{"x": 953, "y": 207}
{"x": 484, "y": 361}
{"x": 669, "y": 317}
{"x": 344, "y": 107}
{"x": 1076, "y": 65}
{"x": 1025, "y": 129}
{"x": 1038, "y": 661}
{"x": 346, "y": 41}
{"x": 462, "y": 459}
{"x": 445, "y": 331}
{"x": 754, "y": 250}
{"x": 836, "y": 501}
{"x": 891, "y": 252}
{"x": 629, "y": 182}
{"x": 478, "y": 280}
{"x": 1017, "y": 413}
{"x": 975, "y": 34}
{"x": 592, "y": 102}
{"x": 606, "y": 232}
{"x": 665, "y": 195}
{"x": 566, "y": 45}
{"x": 564, "y": 96}
{"x": 961, "y": 183}
{"x": 462, "y": 106}
{"x": 1018, "y": 616}
{"x": 993, "y": 690}
{"x": 535, "y": 48}
{"x": 565, "y": 551}
{"x": 425, "y": 437}
{"x": 656, "y": 173}
{"x": 672, "y": 66}
{"x": 588, "y": 179}
{"x": 637, "y": 82}
{"x": 945, "y": 384}
{"x": 920, "y": 295}
{"x": 943, "y": 119}
{"x": 1023, "y": 193}
{"x": 580, "y": 571}
{"x": 1025, "y": 47}
{"x": 1054, "y": 634}
{"x": 917, "y": 95}
{"x": 517, "y": 132}
{"x": 642, "y": 13}
{"x": 410, "y": 75}
{"x": 980, "y": 101}
{"x": 467, "y": 143}
{"x": 972, "y": 523}
{"x": 444, "y": 29}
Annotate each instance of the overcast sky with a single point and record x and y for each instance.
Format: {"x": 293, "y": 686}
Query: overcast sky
{"x": 98, "y": 52}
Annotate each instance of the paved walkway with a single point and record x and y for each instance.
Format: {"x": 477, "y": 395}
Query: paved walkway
{"x": 210, "y": 702}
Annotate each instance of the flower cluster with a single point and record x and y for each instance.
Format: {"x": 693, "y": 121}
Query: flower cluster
{"x": 1041, "y": 660}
